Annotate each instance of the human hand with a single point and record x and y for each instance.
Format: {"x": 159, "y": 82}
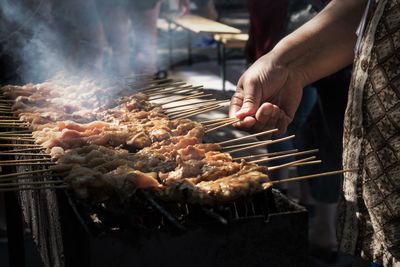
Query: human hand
{"x": 267, "y": 96}
{"x": 184, "y": 7}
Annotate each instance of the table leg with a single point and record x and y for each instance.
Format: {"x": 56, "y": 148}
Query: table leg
{"x": 222, "y": 65}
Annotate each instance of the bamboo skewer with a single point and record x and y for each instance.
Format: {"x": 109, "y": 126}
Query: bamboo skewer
{"x": 20, "y": 145}
{"x": 17, "y": 132}
{"x": 285, "y": 156}
{"x": 173, "y": 91}
{"x": 192, "y": 104}
{"x": 22, "y": 173}
{"x": 290, "y": 163}
{"x": 15, "y": 135}
{"x": 307, "y": 163}
{"x": 22, "y": 150}
{"x": 311, "y": 176}
{"x": 271, "y": 154}
{"x": 14, "y": 138}
{"x": 262, "y": 143}
{"x": 221, "y": 126}
{"x": 33, "y": 188}
{"x": 187, "y": 115}
{"x": 27, "y": 163}
{"x": 24, "y": 160}
{"x": 24, "y": 154}
{"x": 2, "y": 185}
{"x": 197, "y": 95}
{"x": 183, "y": 89}
{"x": 211, "y": 125}
{"x": 248, "y": 136}
{"x": 190, "y": 110}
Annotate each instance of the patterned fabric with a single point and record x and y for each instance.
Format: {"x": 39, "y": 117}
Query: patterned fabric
{"x": 369, "y": 213}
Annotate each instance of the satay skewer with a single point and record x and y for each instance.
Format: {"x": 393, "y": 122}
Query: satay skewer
{"x": 194, "y": 113}
{"x": 23, "y": 160}
{"x": 27, "y": 164}
{"x": 248, "y": 136}
{"x": 285, "y": 156}
{"x": 290, "y": 164}
{"x": 306, "y": 177}
{"x": 221, "y": 126}
{"x": 192, "y": 104}
{"x": 14, "y": 138}
{"x": 24, "y": 154}
{"x": 16, "y": 174}
{"x": 211, "y": 125}
{"x": 5, "y": 185}
{"x": 21, "y": 145}
{"x": 313, "y": 162}
{"x": 189, "y": 110}
{"x": 15, "y": 189}
{"x": 261, "y": 143}
{"x": 270, "y": 154}
{"x": 17, "y": 132}
{"x": 196, "y": 95}
{"x": 22, "y": 150}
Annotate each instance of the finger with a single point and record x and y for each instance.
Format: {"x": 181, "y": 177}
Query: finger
{"x": 263, "y": 115}
{"x": 235, "y": 104}
{"x": 283, "y": 123}
{"x": 251, "y": 100}
{"x": 246, "y": 124}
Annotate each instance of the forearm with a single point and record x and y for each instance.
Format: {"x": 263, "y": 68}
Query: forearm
{"x": 323, "y": 45}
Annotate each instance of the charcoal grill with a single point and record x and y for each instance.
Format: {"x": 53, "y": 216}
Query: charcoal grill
{"x": 264, "y": 230}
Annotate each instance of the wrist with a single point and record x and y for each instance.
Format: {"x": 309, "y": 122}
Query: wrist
{"x": 287, "y": 56}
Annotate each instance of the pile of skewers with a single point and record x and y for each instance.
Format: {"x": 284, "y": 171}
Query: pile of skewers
{"x": 140, "y": 138}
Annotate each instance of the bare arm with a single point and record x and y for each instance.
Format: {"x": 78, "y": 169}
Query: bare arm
{"x": 269, "y": 92}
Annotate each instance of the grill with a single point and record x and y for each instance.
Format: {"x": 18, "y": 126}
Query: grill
{"x": 264, "y": 229}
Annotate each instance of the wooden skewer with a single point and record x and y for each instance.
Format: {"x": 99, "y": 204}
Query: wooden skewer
{"x": 185, "y": 89}
{"x": 211, "y": 125}
{"x": 7, "y": 100}
{"x": 214, "y": 101}
{"x": 17, "y": 132}
{"x": 308, "y": 163}
{"x": 27, "y": 163}
{"x": 190, "y": 110}
{"x": 17, "y": 135}
{"x": 285, "y": 156}
{"x": 6, "y": 112}
{"x": 20, "y": 145}
{"x": 221, "y": 126}
{"x": 249, "y": 136}
{"x": 311, "y": 176}
{"x": 30, "y": 183}
{"x": 11, "y": 121}
{"x": 271, "y": 154}
{"x": 17, "y": 139}
{"x": 245, "y": 144}
{"x": 14, "y": 126}
{"x": 291, "y": 163}
{"x": 180, "y": 116}
{"x": 24, "y": 154}
{"x": 161, "y": 86}
{"x": 196, "y": 95}
{"x": 172, "y": 91}
{"x": 33, "y": 188}
{"x": 24, "y": 160}
{"x": 22, "y": 150}
{"x": 22, "y": 173}
{"x": 262, "y": 143}
{"x": 8, "y": 117}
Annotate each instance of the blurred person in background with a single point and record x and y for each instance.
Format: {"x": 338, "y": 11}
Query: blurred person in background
{"x": 269, "y": 92}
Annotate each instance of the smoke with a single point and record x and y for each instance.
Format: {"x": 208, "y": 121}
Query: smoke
{"x": 88, "y": 38}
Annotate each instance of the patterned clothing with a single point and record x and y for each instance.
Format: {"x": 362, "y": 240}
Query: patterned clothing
{"x": 369, "y": 214}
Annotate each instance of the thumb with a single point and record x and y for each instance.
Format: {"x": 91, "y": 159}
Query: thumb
{"x": 251, "y": 101}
